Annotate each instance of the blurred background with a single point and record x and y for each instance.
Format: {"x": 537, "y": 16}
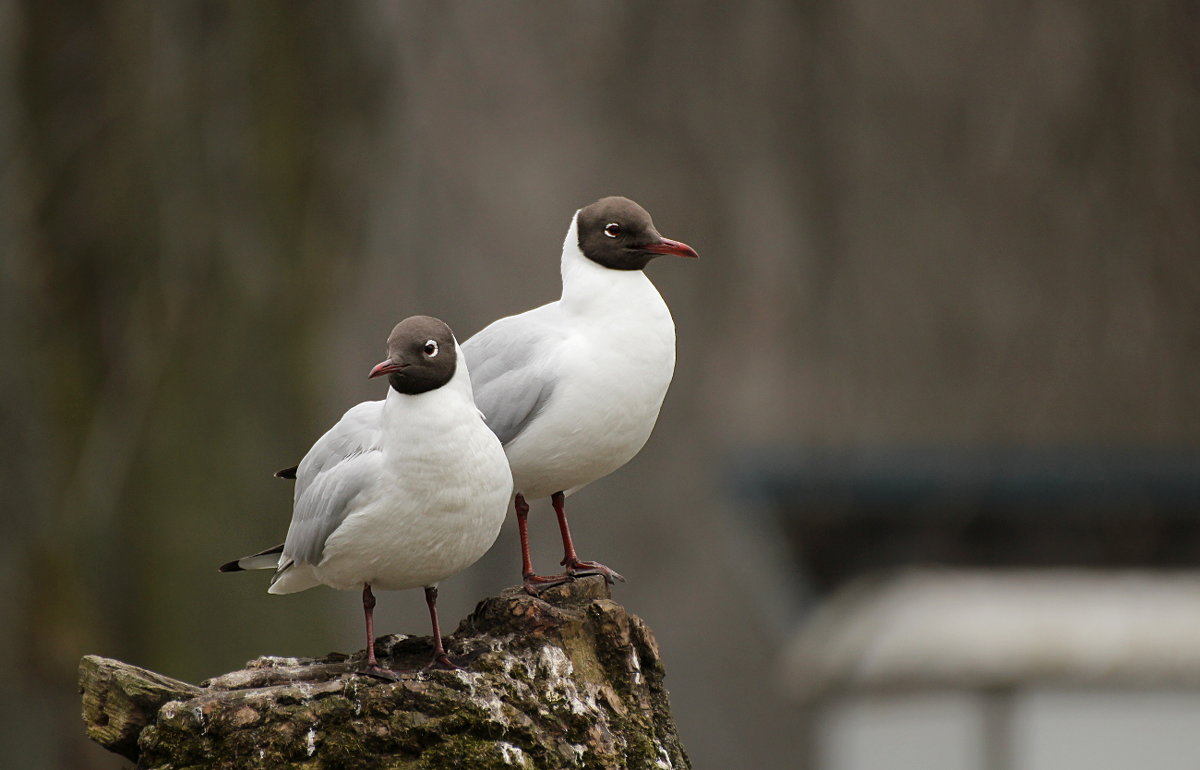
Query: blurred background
{"x": 924, "y": 492}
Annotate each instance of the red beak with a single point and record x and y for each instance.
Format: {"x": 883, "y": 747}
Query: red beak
{"x": 668, "y": 246}
{"x": 385, "y": 367}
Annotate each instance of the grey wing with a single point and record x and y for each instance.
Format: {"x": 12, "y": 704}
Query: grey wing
{"x": 359, "y": 430}
{"x": 335, "y": 470}
{"x": 512, "y": 368}
{"x": 325, "y": 503}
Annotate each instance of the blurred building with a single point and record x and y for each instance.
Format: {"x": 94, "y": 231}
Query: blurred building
{"x": 989, "y": 609}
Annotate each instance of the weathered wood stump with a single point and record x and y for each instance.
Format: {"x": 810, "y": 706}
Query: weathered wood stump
{"x": 569, "y": 681}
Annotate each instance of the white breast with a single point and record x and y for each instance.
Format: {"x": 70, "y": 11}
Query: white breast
{"x": 438, "y": 506}
{"x": 613, "y": 369}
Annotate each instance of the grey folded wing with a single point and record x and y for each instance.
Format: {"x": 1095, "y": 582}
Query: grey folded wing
{"x": 512, "y": 367}
{"x": 325, "y": 504}
{"x": 341, "y": 465}
{"x": 360, "y": 430}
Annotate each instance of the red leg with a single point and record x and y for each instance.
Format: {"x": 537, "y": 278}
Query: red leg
{"x": 440, "y": 658}
{"x": 523, "y": 525}
{"x": 373, "y": 667}
{"x": 575, "y": 567}
{"x": 369, "y": 612}
{"x": 533, "y": 583}
{"x": 559, "y": 500}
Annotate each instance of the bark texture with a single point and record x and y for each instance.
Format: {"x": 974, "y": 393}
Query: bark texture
{"x": 570, "y": 681}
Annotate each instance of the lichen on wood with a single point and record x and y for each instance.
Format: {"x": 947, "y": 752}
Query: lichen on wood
{"x": 570, "y": 680}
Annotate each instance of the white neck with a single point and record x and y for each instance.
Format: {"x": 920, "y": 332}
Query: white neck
{"x": 454, "y": 395}
{"x": 589, "y": 287}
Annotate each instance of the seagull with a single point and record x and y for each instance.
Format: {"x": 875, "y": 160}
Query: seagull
{"x": 400, "y": 493}
{"x": 572, "y": 388}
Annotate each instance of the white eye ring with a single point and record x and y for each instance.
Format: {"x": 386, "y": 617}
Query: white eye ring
{"x": 431, "y": 348}
{"x": 612, "y": 229}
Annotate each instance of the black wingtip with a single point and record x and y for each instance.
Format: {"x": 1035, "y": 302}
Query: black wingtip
{"x": 236, "y": 564}
{"x": 287, "y": 473}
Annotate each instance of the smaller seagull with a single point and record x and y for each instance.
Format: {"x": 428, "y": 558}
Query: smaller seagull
{"x": 400, "y": 493}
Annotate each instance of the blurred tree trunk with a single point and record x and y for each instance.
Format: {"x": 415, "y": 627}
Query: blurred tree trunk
{"x": 173, "y": 236}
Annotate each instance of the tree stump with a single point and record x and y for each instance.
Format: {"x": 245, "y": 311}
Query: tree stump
{"x": 571, "y": 680}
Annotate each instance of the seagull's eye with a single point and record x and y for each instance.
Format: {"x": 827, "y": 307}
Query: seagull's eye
{"x": 431, "y": 348}
{"x": 612, "y": 229}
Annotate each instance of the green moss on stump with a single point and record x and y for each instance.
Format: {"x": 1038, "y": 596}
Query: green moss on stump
{"x": 569, "y": 681}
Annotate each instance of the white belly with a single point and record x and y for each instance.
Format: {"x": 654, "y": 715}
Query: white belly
{"x": 438, "y": 515}
{"x": 601, "y": 412}
{"x": 375, "y": 546}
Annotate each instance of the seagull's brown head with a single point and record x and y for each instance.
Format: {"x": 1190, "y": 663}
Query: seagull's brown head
{"x": 421, "y": 356}
{"x": 619, "y": 234}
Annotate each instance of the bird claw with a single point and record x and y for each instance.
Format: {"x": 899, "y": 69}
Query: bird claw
{"x": 535, "y": 584}
{"x": 584, "y": 568}
{"x": 442, "y": 662}
{"x": 378, "y": 672}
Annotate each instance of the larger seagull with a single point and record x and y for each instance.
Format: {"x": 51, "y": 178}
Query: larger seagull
{"x": 573, "y": 388}
{"x": 400, "y": 493}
